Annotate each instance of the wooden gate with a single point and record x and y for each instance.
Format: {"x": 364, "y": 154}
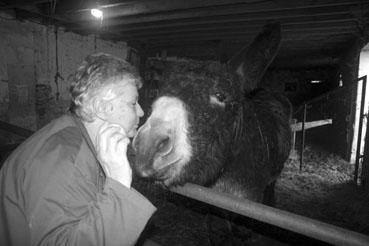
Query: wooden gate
{"x": 365, "y": 163}
{"x": 364, "y": 172}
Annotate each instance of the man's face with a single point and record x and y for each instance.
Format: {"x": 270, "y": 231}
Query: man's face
{"x": 125, "y": 110}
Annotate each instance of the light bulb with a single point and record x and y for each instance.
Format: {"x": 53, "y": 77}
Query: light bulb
{"x": 97, "y": 13}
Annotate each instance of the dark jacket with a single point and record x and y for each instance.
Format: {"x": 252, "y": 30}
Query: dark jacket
{"x": 53, "y": 192}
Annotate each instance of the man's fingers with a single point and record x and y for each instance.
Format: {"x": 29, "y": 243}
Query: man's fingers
{"x": 115, "y": 126}
{"x": 103, "y": 136}
{"x": 106, "y": 137}
{"x": 111, "y": 137}
{"x": 106, "y": 134}
{"x": 121, "y": 129}
{"x": 123, "y": 143}
{"x": 118, "y": 142}
{"x": 103, "y": 127}
{"x": 109, "y": 130}
{"x": 98, "y": 136}
{"x": 112, "y": 144}
{"x": 114, "y": 141}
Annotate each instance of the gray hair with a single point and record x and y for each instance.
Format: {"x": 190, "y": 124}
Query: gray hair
{"x": 97, "y": 73}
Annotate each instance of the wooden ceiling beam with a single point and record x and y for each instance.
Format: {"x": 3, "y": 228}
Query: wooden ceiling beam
{"x": 331, "y": 39}
{"x": 201, "y": 50}
{"x": 304, "y": 62}
{"x": 209, "y": 51}
{"x": 241, "y": 37}
{"x": 239, "y": 26}
{"x": 220, "y": 32}
{"x": 131, "y": 8}
{"x": 128, "y": 8}
{"x": 234, "y": 19}
{"x": 292, "y": 47}
{"x": 36, "y": 16}
{"x": 20, "y": 3}
{"x": 232, "y": 10}
{"x": 57, "y": 21}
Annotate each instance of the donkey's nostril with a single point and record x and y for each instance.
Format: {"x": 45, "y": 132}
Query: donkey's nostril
{"x": 164, "y": 146}
{"x": 145, "y": 173}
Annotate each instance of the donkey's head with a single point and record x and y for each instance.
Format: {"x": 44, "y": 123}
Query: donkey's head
{"x": 188, "y": 135}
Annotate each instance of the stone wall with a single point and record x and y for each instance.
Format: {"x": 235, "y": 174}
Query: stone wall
{"x": 28, "y": 61}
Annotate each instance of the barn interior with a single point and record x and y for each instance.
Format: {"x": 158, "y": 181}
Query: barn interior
{"x": 321, "y": 66}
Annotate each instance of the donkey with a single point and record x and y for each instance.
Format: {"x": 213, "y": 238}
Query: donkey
{"x": 210, "y": 125}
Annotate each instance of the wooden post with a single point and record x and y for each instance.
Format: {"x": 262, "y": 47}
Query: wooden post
{"x": 358, "y": 147}
{"x": 293, "y": 152}
{"x": 303, "y": 137}
{"x": 365, "y": 165}
{"x": 293, "y": 140}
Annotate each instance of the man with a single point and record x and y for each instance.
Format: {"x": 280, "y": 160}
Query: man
{"x": 70, "y": 182}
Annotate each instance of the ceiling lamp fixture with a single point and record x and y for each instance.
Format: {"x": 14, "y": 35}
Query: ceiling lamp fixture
{"x": 97, "y": 13}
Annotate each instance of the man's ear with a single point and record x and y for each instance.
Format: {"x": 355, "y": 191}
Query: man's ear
{"x": 102, "y": 108}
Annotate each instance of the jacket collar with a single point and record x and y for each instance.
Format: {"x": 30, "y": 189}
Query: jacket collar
{"x": 101, "y": 174}
{"x": 85, "y": 134}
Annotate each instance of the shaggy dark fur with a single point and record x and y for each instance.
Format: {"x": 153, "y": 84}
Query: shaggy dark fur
{"x": 239, "y": 149}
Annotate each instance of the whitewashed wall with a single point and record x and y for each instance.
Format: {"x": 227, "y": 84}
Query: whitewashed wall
{"x": 28, "y": 49}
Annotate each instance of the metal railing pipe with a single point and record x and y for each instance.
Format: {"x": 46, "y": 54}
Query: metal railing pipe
{"x": 283, "y": 219}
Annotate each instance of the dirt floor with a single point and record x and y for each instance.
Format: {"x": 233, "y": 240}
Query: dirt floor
{"x": 323, "y": 190}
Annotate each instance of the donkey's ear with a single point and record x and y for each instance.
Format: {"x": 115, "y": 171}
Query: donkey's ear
{"x": 252, "y": 61}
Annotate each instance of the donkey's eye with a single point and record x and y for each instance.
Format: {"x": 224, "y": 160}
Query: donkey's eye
{"x": 220, "y": 96}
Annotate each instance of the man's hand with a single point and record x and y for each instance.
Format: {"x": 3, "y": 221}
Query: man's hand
{"x": 111, "y": 142}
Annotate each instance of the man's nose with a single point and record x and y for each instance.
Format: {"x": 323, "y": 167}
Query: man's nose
{"x": 140, "y": 112}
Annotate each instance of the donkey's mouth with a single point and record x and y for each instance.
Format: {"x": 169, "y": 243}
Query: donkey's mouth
{"x": 164, "y": 172}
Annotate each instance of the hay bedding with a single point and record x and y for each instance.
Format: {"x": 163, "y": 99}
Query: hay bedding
{"x": 322, "y": 191}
